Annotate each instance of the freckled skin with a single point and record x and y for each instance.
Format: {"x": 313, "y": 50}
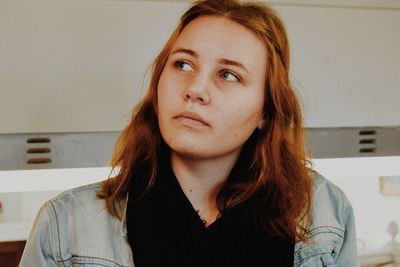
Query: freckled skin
{"x": 229, "y": 98}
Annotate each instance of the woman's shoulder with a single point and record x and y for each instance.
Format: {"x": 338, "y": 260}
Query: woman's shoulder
{"x": 81, "y": 191}
{"x": 330, "y": 204}
{"x": 332, "y": 233}
{"x": 74, "y": 228}
{"x": 321, "y": 183}
{"x": 82, "y": 196}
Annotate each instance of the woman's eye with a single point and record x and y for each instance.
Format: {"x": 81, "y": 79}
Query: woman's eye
{"x": 182, "y": 65}
{"x": 229, "y": 76}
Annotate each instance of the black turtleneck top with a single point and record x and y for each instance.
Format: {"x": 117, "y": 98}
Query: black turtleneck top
{"x": 165, "y": 230}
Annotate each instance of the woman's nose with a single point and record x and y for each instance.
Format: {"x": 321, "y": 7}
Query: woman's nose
{"x": 198, "y": 90}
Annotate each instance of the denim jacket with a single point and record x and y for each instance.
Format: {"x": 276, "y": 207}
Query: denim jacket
{"x": 75, "y": 229}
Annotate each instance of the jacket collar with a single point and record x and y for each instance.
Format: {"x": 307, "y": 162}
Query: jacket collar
{"x": 123, "y": 229}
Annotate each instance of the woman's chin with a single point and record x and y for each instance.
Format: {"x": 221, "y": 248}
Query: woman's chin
{"x": 203, "y": 152}
{"x": 191, "y": 153}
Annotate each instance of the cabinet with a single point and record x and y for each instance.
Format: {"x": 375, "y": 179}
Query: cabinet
{"x": 11, "y": 252}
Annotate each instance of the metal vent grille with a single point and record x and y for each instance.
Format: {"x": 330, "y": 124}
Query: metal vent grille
{"x": 354, "y": 142}
{"x": 78, "y": 150}
{"x": 38, "y": 155}
{"x": 56, "y": 150}
{"x": 367, "y": 142}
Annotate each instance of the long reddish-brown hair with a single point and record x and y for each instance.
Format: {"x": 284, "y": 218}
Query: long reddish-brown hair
{"x": 279, "y": 172}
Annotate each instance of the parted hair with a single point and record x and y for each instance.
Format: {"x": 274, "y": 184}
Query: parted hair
{"x": 279, "y": 174}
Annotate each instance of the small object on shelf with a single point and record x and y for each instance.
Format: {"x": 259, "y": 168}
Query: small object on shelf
{"x": 393, "y": 245}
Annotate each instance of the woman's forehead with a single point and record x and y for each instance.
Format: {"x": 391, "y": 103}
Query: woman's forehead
{"x": 215, "y": 36}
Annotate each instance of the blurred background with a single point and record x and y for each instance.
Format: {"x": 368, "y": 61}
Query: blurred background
{"x": 72, "y": 70}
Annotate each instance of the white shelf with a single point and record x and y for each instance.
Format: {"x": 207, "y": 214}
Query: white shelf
{"x": 51, "y": 179}
{"x": 63, "y": 179}
{"x": 358, "y": 167}
{"x": 15, "y": 231}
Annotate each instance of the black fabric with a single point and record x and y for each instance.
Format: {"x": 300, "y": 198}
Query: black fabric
{"x": 165, "y": 230}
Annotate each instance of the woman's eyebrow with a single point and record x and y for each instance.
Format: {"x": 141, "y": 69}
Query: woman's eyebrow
{"x": 223, "y": 61}
{"x": 232, "y": 63}
{"x": 185, "y": 51}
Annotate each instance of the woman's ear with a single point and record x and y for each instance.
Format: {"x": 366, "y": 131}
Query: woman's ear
{"x": 261, "y": 124}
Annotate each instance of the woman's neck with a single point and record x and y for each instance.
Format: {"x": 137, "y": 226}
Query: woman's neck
{"x": 201, "y": 179}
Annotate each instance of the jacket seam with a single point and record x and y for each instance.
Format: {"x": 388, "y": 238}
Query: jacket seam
{"x": 58, "y": 235}
{"x": 342, "y": 198}
{"x": 326, "y": 229}
{"x": 52, "y": 245}
{"x": 90, "y": 257}
{"x": 316, "y": 244}
{"x": 312, "y": 256}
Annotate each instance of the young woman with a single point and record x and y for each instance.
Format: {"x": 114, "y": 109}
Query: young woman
{"x": 213, "y": 167}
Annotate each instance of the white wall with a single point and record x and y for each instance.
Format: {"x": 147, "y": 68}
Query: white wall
{"x": 11, "y": 206}
{"x": 71, "y": 66}
{"x": 346, "y": 62}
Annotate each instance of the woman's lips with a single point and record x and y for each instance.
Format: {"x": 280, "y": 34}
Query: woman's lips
{"x": 191, "y": 119}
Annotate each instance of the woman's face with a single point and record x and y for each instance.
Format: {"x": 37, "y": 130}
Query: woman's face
{"x": 211, "y": 90}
